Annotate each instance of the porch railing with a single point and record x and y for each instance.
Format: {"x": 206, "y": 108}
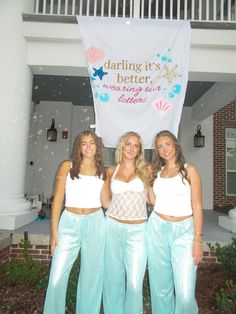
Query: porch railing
{"x": 193, "y": 10}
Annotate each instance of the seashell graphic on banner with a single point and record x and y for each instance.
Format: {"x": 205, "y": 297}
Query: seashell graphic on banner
{"x": 94, "y": 54}
{"x": 163, "y": 106}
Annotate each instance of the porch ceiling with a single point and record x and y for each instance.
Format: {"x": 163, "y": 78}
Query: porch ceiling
{"x": 76, "y": 89}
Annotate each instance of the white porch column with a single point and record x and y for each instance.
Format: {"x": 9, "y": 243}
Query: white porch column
{"x": 15, "y": 106}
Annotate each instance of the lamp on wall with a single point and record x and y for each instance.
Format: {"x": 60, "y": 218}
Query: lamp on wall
{"x": 199, "y": 139}
{"x": 52, "y": 132}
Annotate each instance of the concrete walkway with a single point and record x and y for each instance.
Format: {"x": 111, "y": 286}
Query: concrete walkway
{"x": 39, "y": 230}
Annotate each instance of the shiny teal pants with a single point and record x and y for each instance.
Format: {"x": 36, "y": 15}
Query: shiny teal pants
{"x": 172, "y": 272}
{"x": 125, "y": 265}
{"x": 85, "y": 233}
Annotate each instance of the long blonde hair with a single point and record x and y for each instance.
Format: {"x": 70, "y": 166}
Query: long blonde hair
{"x": 140, "y": 164}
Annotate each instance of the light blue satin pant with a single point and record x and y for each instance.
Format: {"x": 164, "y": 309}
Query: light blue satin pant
{"x": 172, "y": 272}
{"x": 85, "y": 233}
{"x": 125, "y": 265}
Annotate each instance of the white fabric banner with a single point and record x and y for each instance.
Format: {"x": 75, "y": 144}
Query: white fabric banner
{"x": 139, "y": 72}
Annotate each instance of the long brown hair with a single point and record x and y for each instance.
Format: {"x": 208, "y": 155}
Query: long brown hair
{"x": 140, "y": 164}
{"x": 180, "y": 160}
{"x": 77, "y": 157}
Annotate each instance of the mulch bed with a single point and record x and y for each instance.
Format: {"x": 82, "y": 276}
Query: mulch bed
{"x": 209, "y": 280}
{"x": 22, "y": 300}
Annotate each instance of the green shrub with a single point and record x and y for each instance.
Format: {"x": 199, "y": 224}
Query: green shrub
{"x": 43, "y": 279}
{"x": 226, "y": 297}
{"x": 25, "y": 271}
{"x": 226, "y": 254}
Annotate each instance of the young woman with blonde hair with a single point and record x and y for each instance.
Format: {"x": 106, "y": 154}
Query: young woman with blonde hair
{"x": 125, "y": 251}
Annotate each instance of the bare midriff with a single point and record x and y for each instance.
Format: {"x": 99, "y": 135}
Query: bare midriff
{"x": 128, "y": 221}
{"x": 173, "y": 218}
{"x": 82, "y": 211}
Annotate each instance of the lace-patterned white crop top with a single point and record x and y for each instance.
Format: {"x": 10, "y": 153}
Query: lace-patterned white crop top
{"x": 84, "y": 192}
{"x": 173, "y": 196}
{"x": 128, "y": 199}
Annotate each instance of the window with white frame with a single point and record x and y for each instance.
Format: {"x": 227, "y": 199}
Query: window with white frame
{"x": 231, "y": 161}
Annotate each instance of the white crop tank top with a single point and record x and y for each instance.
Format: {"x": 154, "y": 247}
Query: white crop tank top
{"x": 173, "y": 196}
{"x": 84, "y": 192}
{"x": 128, "y": 199}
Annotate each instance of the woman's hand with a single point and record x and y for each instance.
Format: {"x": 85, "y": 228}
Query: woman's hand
{"x": 54, "y": 241}
{"x": 197, "y": 252}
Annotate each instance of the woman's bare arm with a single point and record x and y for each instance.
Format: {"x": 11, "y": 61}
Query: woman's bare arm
{"x": 58, "y": 199}
{"x": 196, "y": 197}
{"x": 106, "y": 191}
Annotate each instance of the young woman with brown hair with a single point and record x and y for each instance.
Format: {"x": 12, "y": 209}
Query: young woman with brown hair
{"x": 81, "y": 227}
{"x": 174, "y": 231}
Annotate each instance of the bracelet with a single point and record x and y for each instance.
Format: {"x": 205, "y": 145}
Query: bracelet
{"x": 199, "y": 234}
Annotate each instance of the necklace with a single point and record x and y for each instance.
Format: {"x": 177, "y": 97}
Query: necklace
{"x": 169, "y": 172}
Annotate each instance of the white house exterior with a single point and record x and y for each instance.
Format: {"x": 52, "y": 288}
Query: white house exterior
{"x": 49, "y": 44}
